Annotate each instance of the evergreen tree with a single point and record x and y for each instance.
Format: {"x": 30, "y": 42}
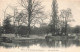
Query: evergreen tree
{"x": 54, "y": 17}
{"x": 7, "y": 26}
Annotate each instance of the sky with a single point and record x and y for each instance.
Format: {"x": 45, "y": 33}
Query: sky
{"x": 74, "y": 5}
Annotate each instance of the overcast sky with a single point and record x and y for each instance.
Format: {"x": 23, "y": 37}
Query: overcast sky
{"x": 62, "y": 4}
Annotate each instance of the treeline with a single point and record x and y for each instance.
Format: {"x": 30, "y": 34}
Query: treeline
{"x": 8, "y": 28}
{"x": 33, "y": 13}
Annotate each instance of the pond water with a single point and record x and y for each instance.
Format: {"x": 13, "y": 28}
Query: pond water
{"x": 41, "y": 46}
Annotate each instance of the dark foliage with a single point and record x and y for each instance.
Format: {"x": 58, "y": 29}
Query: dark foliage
{"x": 22, "y": 30}
{"x": 7, "y": 26}
{"x": 76, "y": 29}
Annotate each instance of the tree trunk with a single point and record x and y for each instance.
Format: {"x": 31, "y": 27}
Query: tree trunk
{"x": 29, "y": 16}
{"x": 66, "y": 29}
{"x": 29, "y": 30}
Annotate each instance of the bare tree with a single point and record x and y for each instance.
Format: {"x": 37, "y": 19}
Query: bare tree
{"x": 66, "y": 15}
{"x": 34, "y": 12}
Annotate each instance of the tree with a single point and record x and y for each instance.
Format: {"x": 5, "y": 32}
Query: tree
{"x": 54, "y": 17}
{"x": 66, "y": 14}
{"x": 76, "y": 30}
{"x": 22, "y": 30}
{"x": 34, "y": 12}
{"x": 1, "y": 30}
{"x": 7, "y": 25}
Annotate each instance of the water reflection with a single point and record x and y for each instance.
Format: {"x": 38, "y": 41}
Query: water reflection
{"x": 41, "y": 43}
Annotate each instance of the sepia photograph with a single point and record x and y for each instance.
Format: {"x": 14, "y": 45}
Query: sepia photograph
{"x": 39, "y": 25}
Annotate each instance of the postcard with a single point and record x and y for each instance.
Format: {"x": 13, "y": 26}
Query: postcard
{"x": 39, "y": 25}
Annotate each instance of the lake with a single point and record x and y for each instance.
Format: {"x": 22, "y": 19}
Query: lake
{"x": 41, "y": 45}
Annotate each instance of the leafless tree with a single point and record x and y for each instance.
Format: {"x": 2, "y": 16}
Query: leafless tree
{"x": 34, "y": 12}
{"x": 66, "y": 15}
